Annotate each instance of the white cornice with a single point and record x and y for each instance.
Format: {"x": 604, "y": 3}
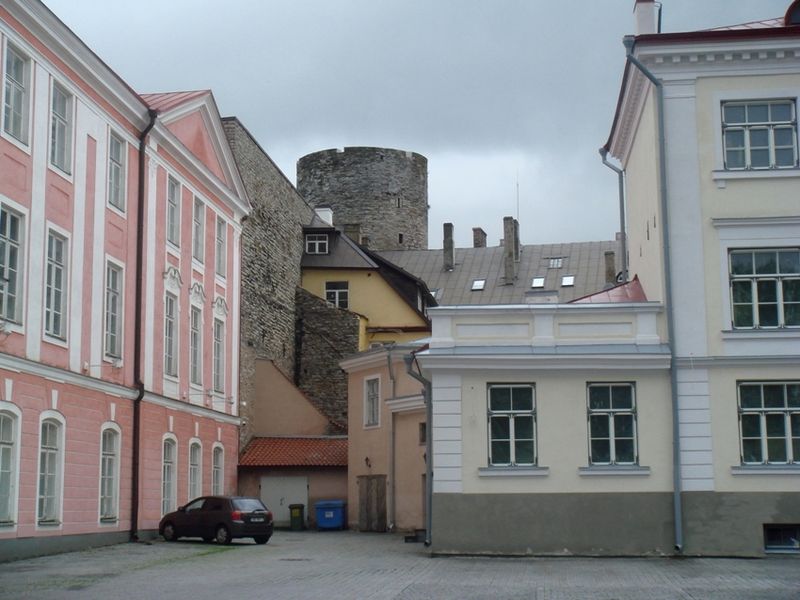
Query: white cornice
{"x": 193, "y": 409}
{"x": 720, "y": 223}
{"x": 547, "y": 309}
{"x": 406, "y": 403}
{"x": 737, "y": 361}
{"x": 544, "y": 362}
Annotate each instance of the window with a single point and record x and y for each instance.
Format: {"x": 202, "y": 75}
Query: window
{"x": 198, "y": 229}
{"x": 759, "y": 134}
{"x": 8, "y": 466}
{"x": 50, "y": 448}
{"x": 113, "y": 320}
{"x": 168, "y": 476}
{"x": 219, "y": 356}
{"x": 537, "y": 282}
{"x": 61, "y": 129}
{"x": 512, "y": 425}
{"x": 612, "y": 424}
{"x": 769, "y": 423}
{"x": 782, "y": 538}
{"x": 423, "y": 433}
{"x": 336, "y": 293}
{"x": 173, "y": 212}
{"x": 568, "y": 281}
{"x": 316, "y": 243}
{"x": 195, "y": 474}
{"x": 116, "y": 171}
{"x": 372, "y": 398}
{"x": 55, "y": 293}
{"x": 171, "y": 335}
{"x": 109, "y": 474}
{"x": 10, "y": 261}
{"x": 195, "y": 372}
{"x": 16, "y": 94}
{"x": 555, "y": 262}
{"x": 765, "y": 288}
{"x": 221, "y": 246}
{"x": 217, "y": 470}
{"x": 478, "y": 285}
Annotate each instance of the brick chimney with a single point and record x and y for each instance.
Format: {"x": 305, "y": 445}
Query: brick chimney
{"x": 448, "y": 248}
{"x": 510, "y": 252}
{"x": 478, "y": 238}
{"x": 611, "y": 268}
{"x": 644, "y": 11}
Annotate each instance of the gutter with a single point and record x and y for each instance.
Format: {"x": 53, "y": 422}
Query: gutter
{"x": 392, "y": 448}
{"x": 410, "y": 359}
{"x": 623, "y": 237}
{"x": 138, "y": 380}
{"x": 629, "y": 42}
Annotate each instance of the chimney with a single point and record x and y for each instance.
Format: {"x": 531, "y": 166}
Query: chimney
{"x": 644, "y": 11}
{"x": 611, "y": 268}
{"x": 448, "y": 248}
{"x": 353, "y": 231}
{"x": 324, "y": 212}
{"x": 509, "y": 250}
{"x": 517, "y": 246}
{"x": 478, "y": 238}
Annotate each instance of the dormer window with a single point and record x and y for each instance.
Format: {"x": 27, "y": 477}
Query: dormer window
{"x": 555, "y": 262}
{"x": 316, "y": 243}
{"x": 478, "y": 285}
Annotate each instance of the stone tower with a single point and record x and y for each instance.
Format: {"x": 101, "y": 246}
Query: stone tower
{"x": 379, "y": 192}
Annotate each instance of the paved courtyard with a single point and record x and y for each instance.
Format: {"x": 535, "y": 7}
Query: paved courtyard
{"x": 331, "y": 565}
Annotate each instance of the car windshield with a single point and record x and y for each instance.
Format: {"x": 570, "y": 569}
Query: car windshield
{"x": 249, "y": 504}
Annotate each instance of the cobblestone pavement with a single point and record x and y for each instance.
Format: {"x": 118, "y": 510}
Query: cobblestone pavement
{"x": 334, "y": 565}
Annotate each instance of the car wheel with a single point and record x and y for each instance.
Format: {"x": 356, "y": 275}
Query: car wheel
{"x": 168, "y": 533}
{"x": 261, "y": 539}
{"x": 223, "y": 536}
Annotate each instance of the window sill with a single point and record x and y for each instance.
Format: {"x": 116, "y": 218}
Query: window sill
{"x": 24, "y": 146}
{"x": 7, "y": 525}
{"x": 120, "y": 212}
{"x": 513, "y": 471}
{"x": 722, "y": 175}
{"x": 173, "y": 250}
{"x": 765, "y": 470}
{"x": 614, "y": 470}
{"x": 763, "y": 333}
{"x": 198, "y": 265}
{"x": 55, "y": 340}
{"x": 109, "y": 521}
{"x": 48, "y": 524}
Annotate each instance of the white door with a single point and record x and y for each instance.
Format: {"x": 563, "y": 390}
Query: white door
{"x": 279, "y": 492}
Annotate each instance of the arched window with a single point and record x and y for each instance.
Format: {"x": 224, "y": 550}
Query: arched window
{"x": 51, "y": 449}
{"x": 169, "y": 457}
{"x": 217, "y": 470}
{"x": 8, "y": 467}
{"x": 109, "y": 474}
{"x": 195, "y": 474}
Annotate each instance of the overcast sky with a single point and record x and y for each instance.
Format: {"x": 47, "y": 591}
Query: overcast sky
{"x": 491, "y": 91}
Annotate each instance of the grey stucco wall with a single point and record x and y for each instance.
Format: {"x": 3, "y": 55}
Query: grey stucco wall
{"x": 383, "y": 190}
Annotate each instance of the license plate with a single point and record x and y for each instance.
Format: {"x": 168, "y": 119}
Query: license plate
{"x": 328, "y": 514}
{"x": 256, "y": 519}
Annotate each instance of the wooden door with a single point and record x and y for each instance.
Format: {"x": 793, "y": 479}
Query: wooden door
{"x": 372, "y": 503}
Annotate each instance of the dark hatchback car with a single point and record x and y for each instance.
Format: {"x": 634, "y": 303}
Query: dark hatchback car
{"x": 220, "y": 519}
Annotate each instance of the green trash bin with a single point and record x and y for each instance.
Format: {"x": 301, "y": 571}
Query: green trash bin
{"x": 296, "y": 514}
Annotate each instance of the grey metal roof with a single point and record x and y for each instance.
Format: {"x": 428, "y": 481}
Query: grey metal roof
{"x": 584, "y": 260}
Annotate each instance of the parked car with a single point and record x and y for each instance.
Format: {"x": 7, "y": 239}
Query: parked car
{"x": 220, "y": 519}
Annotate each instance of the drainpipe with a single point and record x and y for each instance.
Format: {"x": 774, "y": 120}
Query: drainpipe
{"x": 410, "y": 359}
{"x": 392, "y": 448}
{"x": 629, "y": 42}
{"x": 138, "y": 380}
{"x": 623, "y": 237}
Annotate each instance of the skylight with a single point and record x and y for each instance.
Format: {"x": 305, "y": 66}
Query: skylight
{"x": 568, "y": 280}
{"x": 478, "y": 285}
{"x": 538, "y": 282}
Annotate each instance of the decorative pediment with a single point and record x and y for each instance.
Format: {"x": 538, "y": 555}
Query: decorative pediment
{"x": 197, "y": 294}
{"x": 220, "y": 307}
{"x": 172, "y": 279}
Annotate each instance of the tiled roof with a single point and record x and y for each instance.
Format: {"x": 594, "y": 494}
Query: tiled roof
{"x": 295, "y": 452}
{"x": 631, "y": 291}
{"x": 169, "y": 100}
{"x": 583, "y": 260}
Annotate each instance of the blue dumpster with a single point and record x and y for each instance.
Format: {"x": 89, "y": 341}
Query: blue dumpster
{"x": 330, "y": 514}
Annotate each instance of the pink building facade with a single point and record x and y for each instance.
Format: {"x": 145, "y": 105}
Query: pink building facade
{"x": 120, "y": 221}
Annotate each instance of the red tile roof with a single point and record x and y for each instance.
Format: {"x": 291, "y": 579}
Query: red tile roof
{"x": 631, "y": 291}
{"x": 169, "y": 100}
{"x": 295, "y": 452}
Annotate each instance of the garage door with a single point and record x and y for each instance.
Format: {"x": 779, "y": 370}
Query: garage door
{"x": 279, "y": 492}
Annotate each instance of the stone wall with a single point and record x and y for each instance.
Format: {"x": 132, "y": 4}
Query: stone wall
{"x": 385, "y": 191}
{"x": 272, "y": 248}
{"x": 325, "y": 335}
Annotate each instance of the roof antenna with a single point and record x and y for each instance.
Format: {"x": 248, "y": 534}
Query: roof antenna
{"x": 517, "y": 194}
{"x": 660, "y": 6}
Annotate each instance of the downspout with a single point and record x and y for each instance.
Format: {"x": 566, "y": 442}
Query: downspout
{"x": 392, "y": 448}
{"x": 138, "y": 379}
{"x": 629, "y": 42}
{"x": 410, "y": 359}
{"x": 623, "y": 236}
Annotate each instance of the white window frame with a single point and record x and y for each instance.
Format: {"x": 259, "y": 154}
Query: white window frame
{"x": 555, "y": 262}
{"x": 338, "y": 296}
{"x": 785, "y": 413}
{"x": 171, "y": 335}
{"x": 218, "y": 469}
{"x": 24, "y": 87}
{"x": 221, "y": 248}
{"x": 512, "y": 414}
{"x": 112, "y": 353}
{"x": 174, "y": 194}
{"x": 478, "y": 285}
{"x": 195, "y": 471}
{"x": 56, "y": 479}
{"x": 748, "y": 127}
{"x": 117, "y": 172}
{"x": 53, "y": 306}
{"x": 218, "y": 358}
{"x": 753, "y": 279}
{"x": 372, "y": 403}
{"x": 12, "y": 412}
{"x": 8, "y": 247}
{"x": 196, "y": 345}
{"x": 198, "y": 230}
{"x": 609, "y": 415}
{"x": 61, "y": 126}
{"x": 568, "y": 281}
{"x": 537, "y": 282}
{"x": 316, "y": 243}
{"x": 109, "y": 481}
{"x": 169, "y": 474}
